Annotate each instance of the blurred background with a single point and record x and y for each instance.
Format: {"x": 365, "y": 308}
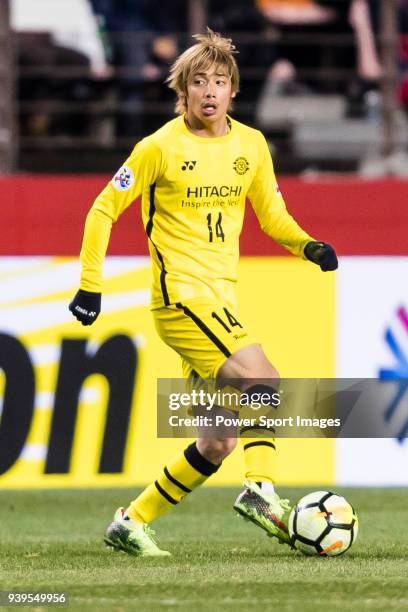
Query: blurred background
{"x": 81, "y": 81}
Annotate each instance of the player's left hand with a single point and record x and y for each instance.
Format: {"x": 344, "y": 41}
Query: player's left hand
{"x": 322, "y": 254}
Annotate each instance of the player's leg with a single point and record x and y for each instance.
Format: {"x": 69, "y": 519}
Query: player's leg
{"x": 182, "y": 474}
{"x": 204, "y": 342}
{"x": 250, "y": 369}
{"x": 254, "y": 374}
{"x": 191, "y": 467}
{"x": 217, "y": 345}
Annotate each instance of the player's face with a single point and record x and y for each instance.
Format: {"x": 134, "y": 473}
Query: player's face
{"x": 209, "y": 95}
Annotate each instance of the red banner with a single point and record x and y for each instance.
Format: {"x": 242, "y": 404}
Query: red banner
{"x": 44, "y": 215}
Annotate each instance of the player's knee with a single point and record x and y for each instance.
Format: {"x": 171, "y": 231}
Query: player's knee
{"x": 216, "y": 449}
{"x": 243, "y": 367}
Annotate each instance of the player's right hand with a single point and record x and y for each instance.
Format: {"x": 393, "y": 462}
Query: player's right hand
{"x": 86, "y": 306}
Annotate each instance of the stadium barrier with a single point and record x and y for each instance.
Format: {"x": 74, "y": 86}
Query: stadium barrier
{"x": 78, "y": 405}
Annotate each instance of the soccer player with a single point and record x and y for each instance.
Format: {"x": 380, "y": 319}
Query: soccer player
{"x": 194, "y": 175}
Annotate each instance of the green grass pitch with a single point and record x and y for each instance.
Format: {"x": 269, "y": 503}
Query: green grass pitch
{"x": 52, "y": 541}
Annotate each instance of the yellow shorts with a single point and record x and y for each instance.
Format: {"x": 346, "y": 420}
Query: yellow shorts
{"x": 203, "y": 332}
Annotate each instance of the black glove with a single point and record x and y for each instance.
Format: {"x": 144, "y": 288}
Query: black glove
{"x": 86, "y": 306}
{"x": 322, "y": 254}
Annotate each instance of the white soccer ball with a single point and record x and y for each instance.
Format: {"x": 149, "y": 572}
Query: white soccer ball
{"x": 323, "y": 523}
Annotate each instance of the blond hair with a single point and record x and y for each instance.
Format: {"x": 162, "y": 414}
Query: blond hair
{"x": 210, "y": 50}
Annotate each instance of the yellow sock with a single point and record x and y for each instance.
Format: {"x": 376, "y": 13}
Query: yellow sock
{"x": 182, "y": 474}
{"x": 259, "y": 451}
{"x": 260, "y": 459}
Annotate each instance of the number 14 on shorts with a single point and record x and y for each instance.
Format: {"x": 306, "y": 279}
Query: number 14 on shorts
{"x": 232, "y": 321}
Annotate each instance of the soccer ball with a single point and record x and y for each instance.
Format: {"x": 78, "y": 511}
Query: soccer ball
{"x": 323, "y": 523}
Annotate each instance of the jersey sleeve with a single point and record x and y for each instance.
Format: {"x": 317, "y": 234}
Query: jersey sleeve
{"x": 269, "y": 206}
{"x": 139, "y": 171}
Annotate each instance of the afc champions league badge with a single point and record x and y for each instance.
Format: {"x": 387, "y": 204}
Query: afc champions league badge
{"x": 123, "y": 179}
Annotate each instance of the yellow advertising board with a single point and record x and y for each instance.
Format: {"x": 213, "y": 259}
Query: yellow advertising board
{"x": 78, "y": 404}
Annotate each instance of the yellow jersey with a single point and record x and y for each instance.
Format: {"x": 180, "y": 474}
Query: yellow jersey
{"x": 193, "y": 191}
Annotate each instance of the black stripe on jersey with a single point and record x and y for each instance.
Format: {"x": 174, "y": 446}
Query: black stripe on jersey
{"x": 165, "y": 495}
{"x": 198, "y": 462}
{"x": 176, "y": 482}
{"x": 259, "y": 443}
{"x": 258, "y": 427}
{"x": 205, "y": 329}
{"x": 149, "y": 228}
{"x": 152, "y": 210}
{"x": 163, "y": 277}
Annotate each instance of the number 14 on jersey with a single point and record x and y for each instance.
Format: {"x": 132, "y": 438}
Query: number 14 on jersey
{"x": 219, "y": 232}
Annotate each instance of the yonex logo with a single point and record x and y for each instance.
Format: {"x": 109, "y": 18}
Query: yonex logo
{"x": 188, "y": 165}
